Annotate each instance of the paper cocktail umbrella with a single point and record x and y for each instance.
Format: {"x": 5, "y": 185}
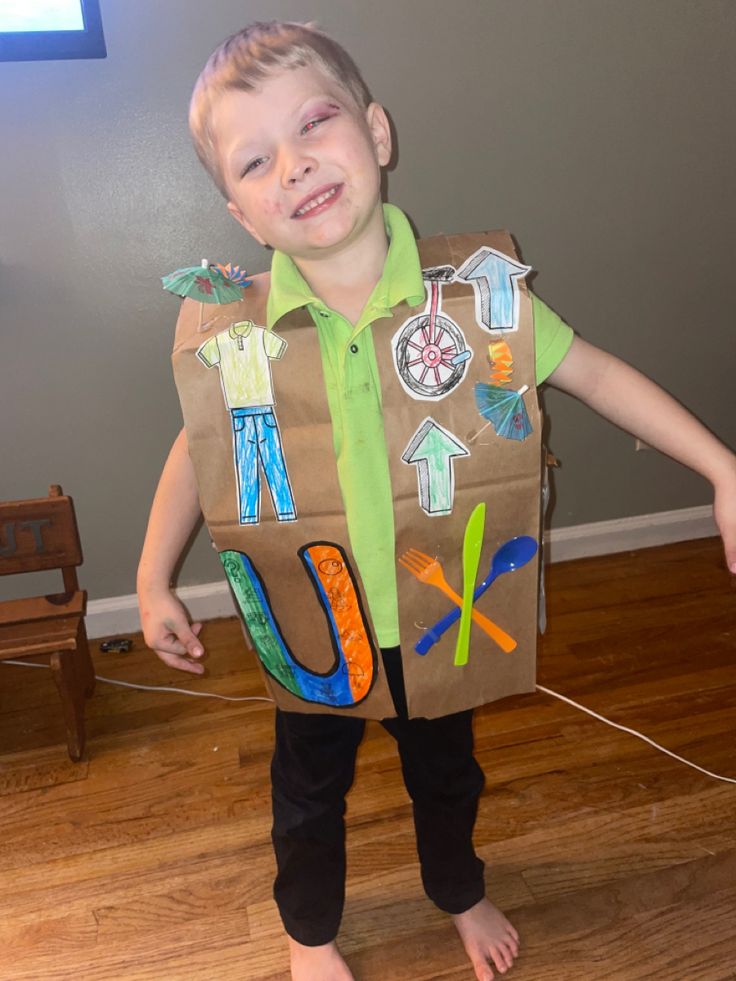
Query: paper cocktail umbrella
{"x": 234, "y": 274}
{"x": 205, "y": 283}
{"x": 505, "y": 410}
{"x": 501, "y": 362}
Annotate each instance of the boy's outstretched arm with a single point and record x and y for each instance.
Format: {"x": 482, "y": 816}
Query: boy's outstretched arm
{"x": 635, "y": 403}
{"x": 174, "y": 514}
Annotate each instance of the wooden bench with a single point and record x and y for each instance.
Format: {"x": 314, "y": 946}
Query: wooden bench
{"x": 36, "y": 536}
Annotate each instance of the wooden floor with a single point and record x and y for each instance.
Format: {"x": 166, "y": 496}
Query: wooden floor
{"x": 150, "y": 860}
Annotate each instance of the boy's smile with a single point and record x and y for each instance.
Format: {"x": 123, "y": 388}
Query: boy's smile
{"x": 302, "y": 163}
{"x": 317, "y": 202}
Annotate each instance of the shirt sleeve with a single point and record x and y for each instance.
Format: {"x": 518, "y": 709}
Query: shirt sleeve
{"x": 552, "y": 339}
{"x": 209, "y": 353}
{"x": 273, "y": 345}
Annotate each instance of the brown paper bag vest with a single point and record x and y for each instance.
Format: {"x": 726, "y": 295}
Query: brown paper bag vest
{"x": 261, "y": 442}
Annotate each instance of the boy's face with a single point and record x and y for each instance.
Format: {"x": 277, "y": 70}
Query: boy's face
{"x": 302, "y": 162}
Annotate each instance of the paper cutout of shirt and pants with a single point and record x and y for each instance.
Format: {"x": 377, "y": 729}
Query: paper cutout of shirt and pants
{"x": 243, "y": 354}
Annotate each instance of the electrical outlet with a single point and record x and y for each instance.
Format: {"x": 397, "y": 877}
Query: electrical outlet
{"x": 639, "y": 445}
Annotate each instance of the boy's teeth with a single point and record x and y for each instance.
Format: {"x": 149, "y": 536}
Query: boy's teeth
{"x": 316, "y": 201}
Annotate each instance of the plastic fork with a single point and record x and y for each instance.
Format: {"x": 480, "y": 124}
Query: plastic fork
{"x": 429, "y": 570}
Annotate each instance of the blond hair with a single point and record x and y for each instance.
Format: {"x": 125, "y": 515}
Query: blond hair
{"x": 245, "y": 59}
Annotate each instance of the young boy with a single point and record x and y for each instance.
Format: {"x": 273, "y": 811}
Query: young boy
{"x": 283, "y": 123}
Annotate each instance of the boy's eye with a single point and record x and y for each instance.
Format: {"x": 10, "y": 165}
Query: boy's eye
{"x": 314, "y": 123}
{"x": 251, "y": 166}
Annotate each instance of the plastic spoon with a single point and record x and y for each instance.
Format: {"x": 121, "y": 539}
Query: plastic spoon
{"x": 510, "y": 556}
{"x": 472, "y": 546}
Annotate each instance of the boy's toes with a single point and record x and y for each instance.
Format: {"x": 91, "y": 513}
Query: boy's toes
{"x": 489, "y": 939}
{"x": 483, "y": 970}
{"x": 501, "y": 958}
{"x": 511, "y": 947}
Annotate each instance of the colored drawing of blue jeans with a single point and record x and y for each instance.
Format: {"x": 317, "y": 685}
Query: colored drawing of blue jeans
{"x": 258, "y": 447}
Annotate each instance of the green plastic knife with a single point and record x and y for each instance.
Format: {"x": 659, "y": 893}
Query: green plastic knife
{"x": 472, "y": 545}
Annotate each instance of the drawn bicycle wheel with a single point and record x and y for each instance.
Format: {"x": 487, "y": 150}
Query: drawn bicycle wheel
{"x": 431, "y": 357}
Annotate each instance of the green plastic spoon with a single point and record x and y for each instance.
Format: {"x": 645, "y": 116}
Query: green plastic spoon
{"x": 472, "y": 545}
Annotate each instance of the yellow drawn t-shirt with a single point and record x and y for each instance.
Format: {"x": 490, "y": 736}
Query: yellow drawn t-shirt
{"x": 243, "y": 353}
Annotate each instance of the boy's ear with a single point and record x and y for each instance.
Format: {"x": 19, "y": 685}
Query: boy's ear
{"x": 238, "y": 215}
{"x": 380, "y": 131}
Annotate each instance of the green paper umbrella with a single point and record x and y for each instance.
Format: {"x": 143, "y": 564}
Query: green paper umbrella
{"x": 205, "y": 283}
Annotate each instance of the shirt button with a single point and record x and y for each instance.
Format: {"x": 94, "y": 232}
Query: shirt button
{"x": 323, "y": 313}
{"x": 354, "y": 348}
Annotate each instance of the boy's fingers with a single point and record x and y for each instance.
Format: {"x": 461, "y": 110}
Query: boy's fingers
{"x": 191, "y": 644}
{"x": 724, "y": 511}
{"x": 184, "y": 638}
{"x": 194, "y": 644}
{"x": 730, "y": 550}
{"x": 169, "y": 646}
{"x": 180, "y": 663}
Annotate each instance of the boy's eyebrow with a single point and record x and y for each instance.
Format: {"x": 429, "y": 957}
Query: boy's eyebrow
{"x": 314, "y": 101}
{"x": 311, "y": 103}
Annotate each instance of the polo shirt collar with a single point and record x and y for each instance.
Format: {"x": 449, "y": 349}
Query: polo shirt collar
{"x": 401, "y": 278}
{"x": 241, "y": 329}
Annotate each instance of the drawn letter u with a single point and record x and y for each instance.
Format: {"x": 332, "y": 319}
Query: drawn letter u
{"x": 351, "y": 677}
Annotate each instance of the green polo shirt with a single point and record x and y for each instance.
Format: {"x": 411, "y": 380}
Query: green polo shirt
{"x": 354, "y": 397}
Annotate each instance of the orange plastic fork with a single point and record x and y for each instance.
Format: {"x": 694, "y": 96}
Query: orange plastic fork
{"x": 429, "y": 570}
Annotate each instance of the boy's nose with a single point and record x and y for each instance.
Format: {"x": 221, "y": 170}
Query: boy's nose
{"x": 298, "y": 170}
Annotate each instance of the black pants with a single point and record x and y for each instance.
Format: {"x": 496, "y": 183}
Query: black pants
{"x": 312, "y": 771}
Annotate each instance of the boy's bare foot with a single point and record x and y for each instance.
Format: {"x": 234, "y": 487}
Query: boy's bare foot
{"x": 323, "y": 963}
{"x": 487, "y": 935}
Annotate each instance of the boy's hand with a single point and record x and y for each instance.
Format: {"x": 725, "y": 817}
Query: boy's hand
{"x": 724, "y": 511}
{"x": 167, "y": 631}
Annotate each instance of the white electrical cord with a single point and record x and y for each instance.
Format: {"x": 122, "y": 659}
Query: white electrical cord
{"x": 258, "y": 698}
{"x": 633, "y": 732}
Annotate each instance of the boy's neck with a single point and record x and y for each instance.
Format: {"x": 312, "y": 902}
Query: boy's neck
{"x": 345, "y": 280}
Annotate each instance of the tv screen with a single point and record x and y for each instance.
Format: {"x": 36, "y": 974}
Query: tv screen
{"x": 32, "y": 30}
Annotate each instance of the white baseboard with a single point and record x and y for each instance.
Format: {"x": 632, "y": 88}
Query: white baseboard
{"x": 625, "y": 534}
{"x": 119, "y": 614}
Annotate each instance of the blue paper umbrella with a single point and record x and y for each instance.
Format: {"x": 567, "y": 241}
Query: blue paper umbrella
{"x": 504, "y": 409}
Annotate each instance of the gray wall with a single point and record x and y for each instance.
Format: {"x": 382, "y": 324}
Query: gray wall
{"x": 599, "y": 131}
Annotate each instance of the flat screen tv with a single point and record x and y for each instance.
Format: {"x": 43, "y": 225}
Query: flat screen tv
{"x": 46, "y": 30}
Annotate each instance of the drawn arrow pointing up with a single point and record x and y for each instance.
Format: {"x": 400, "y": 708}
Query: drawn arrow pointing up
{"x": 431, "y": 449}
{"x": 495, "y": 279}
